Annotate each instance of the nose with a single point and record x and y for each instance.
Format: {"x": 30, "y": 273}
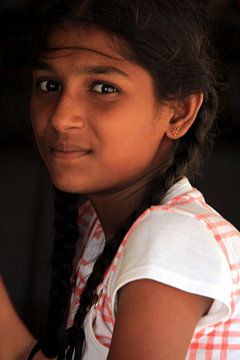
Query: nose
{"x": 68, "y": 114}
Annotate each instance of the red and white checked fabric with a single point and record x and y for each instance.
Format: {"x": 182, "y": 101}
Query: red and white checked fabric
{"x": 217, "y": 341}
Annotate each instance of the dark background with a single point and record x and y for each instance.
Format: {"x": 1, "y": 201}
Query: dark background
{"x": 25, "y": 191}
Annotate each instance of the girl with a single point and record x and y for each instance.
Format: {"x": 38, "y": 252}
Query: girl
{"x": 122, "y": 107}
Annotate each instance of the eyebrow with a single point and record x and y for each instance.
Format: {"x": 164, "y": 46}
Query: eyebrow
{"x": 94, "y": 69}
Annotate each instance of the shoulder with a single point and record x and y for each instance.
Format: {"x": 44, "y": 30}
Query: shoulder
{"x": 175, "y": 244}
{"x": 188, "y": 229}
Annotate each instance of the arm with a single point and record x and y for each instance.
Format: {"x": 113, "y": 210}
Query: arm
{"x": 155, "y": 321}
{"x": 15, "y": 340}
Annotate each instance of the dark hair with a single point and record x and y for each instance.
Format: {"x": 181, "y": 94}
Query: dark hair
{"x": 169, "y": 39}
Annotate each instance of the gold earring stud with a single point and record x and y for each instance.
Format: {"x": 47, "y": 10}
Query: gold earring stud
{"x": 174, "y": 131}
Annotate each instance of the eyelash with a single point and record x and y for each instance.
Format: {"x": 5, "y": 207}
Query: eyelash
{"x": 102, "y": 84}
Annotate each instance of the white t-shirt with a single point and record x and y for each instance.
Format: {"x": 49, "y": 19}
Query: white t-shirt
{"x": 183, "y": 243}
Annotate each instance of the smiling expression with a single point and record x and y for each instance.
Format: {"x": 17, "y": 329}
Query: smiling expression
{"x": 96, "y": 120}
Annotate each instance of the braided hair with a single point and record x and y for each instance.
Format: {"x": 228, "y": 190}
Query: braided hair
{"x": 178, "y": 55}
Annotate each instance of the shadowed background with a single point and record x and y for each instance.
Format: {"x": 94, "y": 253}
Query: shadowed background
{"x": 26, "y": 213}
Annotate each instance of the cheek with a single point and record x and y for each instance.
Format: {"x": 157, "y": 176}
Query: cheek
{"x": 130, "y": 133}
{"x": 39, "y": 118}
{"x": 130, "y": 144}
{"x": 34, "y": 114}
{"x": 129, "y": 150}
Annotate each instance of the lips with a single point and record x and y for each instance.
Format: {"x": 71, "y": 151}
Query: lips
{"x": 67, "y": 151}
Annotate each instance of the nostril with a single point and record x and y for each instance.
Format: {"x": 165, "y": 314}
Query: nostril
{"x": 80, "y": 122}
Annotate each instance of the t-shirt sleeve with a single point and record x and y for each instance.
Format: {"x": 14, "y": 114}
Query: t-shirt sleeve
{"x": 177, "y": 250}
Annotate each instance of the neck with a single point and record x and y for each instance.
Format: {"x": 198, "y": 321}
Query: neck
{"x": 114, "y": 208}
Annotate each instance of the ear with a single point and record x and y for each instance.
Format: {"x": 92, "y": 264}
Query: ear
{"x": 183, "y": 115}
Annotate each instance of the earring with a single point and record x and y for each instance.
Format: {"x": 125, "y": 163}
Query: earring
{"x": 174, "y": 131}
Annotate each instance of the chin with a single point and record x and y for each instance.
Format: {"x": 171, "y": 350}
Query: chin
{"x": 66, "y": 186}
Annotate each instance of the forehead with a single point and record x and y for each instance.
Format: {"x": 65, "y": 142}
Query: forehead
{"x": 69, "y": 38}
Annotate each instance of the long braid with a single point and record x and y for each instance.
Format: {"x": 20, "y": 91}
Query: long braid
{"x": 66, "y": 236}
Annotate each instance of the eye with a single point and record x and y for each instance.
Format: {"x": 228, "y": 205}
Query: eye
{"x": 104, "y": 89}
{"x": 48, "y": 85}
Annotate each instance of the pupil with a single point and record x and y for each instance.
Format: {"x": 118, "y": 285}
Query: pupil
{"x": 51, "y": 86}
{"x": 108, "y": 89}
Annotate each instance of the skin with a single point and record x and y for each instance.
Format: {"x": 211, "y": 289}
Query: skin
{"x": 155, "y": 322}
{"x": 15, "y": 340}
{"x": 108, "y": 145}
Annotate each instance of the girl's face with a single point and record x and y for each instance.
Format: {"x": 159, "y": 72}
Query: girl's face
{"x": 96, "y": 120}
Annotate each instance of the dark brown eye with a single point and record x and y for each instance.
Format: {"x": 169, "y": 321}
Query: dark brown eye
{"x": 105, "y": 88}
{"x": 48, "y": 85}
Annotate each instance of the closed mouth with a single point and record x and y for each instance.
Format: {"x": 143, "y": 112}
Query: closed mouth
{"x": 67, "y": 153}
